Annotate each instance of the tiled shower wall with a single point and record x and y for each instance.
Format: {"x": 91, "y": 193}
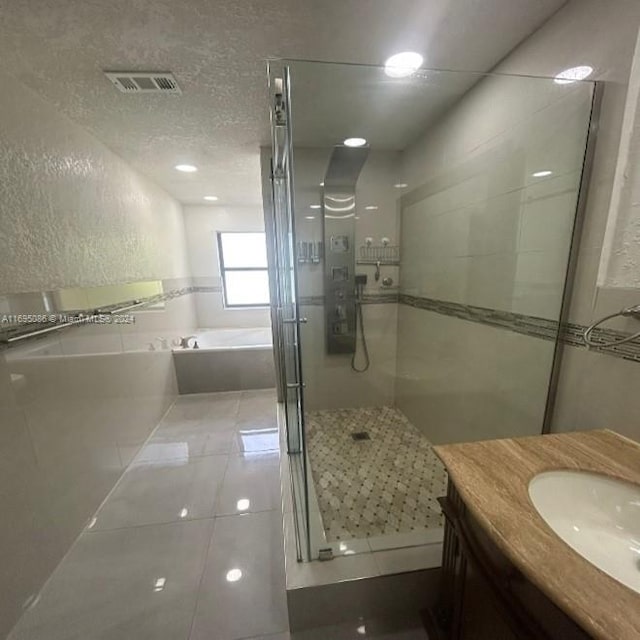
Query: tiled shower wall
{"x": 478, "y": 230}
{"x": 76, "y": 405}
{"x": 460, "y": 380}
{"x": 330, "y": 382}
{"x": 596, "y": 390}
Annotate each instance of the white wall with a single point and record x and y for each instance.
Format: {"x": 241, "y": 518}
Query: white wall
{"x": 75, "y": 406}
{"x": 621, "y": 255}
{"x": 479, "y": 229}
{"x": 595, "y": 390}
{"x": 201, "y": 224}
{"x": 462, "y": 381}
{"x": 330, "y": 382}
{"x": 73, "y": 213}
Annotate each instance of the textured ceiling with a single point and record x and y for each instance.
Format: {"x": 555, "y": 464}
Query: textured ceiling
{"x": 217, "y": 49}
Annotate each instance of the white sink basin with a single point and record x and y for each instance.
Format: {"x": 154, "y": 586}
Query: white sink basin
{"x": 598, "y": 516}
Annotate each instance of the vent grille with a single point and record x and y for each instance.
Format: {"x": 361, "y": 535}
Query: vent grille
{"x": 143, "y": 82}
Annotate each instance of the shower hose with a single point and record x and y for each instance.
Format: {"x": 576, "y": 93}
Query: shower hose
{"x": 365, "y": 350}
{"x": 633, "y": 312}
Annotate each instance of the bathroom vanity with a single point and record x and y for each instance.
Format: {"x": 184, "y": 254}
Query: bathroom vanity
{"x": 511, "y": 504}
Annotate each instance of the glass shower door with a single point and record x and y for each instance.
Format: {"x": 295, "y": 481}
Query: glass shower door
{"x": 288, "y": 317}
{"x": 460, "y": 230}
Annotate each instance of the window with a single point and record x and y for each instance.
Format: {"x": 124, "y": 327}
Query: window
{"x": 243, "y": 266}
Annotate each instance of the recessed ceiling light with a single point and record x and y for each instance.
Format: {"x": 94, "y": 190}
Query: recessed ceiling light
{"x": 186, "y": 168}
{"x": 315, "y": 206}
{"x": 403, "y": 64}
{"x": 573, "y": 75}
{"x": 371, "y": 207}
{"x": 234, "y": 575}
{"x": 400, "y": 185}
{"x": 322, "y": 184}
{"x": 210, "y": 198}
{"x": 542, "y": 174}
{"x": 355, "y": 142}
{"x": 310, "y": 217}
{"x": 159, "y": 584}
{"x": 243, "y": 504}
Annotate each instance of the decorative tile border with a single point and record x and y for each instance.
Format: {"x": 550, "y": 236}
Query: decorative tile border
{"x": 532, "y": 326}
{"x": 207, "y": 289}
{"x": 572, "y": 335}
{"x": 516, "y": 322}
{"x": 368, "y": 298}
{"x": 311, "y": 301}
{"x": 15, "y": 330}
{"x": 381, "y": 298}
{"x": 82, "y": 316}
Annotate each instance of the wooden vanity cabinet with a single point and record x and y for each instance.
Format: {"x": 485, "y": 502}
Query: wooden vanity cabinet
{"x": 483, "y": 596}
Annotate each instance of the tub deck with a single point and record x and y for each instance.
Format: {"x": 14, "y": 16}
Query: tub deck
{"x": 226, "y": 360}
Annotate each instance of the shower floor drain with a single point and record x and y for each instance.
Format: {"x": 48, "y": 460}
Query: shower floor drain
{"x": 360, "y": 435}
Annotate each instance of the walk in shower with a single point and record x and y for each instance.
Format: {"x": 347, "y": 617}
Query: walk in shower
{"x": 421, "y": 230}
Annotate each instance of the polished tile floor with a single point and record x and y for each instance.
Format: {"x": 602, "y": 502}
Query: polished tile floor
{"x": 189, "y": 544}
{"x": 383, "y": 484}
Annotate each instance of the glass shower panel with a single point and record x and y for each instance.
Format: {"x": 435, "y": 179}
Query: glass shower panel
{"x": 458, "y": 246}
{"x": 288, "y": 315}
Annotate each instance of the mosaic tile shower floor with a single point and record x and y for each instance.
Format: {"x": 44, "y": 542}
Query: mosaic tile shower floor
{"x": 383, "y": 485}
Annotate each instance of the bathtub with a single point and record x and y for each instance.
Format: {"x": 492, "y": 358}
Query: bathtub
{"x": 225, "y": 360}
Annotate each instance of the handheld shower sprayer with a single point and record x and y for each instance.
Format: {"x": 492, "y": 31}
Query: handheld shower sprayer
{"x": 361, "y": 281}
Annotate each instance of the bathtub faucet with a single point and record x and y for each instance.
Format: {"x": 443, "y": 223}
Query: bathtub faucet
{"x": 184, "y": 342}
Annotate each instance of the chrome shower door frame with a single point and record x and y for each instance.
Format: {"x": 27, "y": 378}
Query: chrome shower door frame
{"x": 287, "y": 312}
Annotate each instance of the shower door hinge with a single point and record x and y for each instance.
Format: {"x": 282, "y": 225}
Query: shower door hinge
{"x": 296, "y": 385}
{"x": 278, "y": 174}
{"x": 325, "y": 554}
{"x": 279, "y": 105}
{"x": 294, "y": 320}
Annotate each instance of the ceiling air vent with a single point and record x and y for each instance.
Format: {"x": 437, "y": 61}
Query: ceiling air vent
{"x": 143, "y": 82}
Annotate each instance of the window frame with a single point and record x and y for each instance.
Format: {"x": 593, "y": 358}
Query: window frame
{"x": 224, "y": 269}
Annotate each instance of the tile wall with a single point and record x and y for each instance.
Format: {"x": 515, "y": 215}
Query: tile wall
{"x": 330, "y": 382}
{"x": 596, "y": 390}
{"x": 521, "y": 256}
{"x": 479, "y": 229}
{"x": 477, "y": 226}
{"x": 75, "y": 407}
{"x": 460, "y": 380}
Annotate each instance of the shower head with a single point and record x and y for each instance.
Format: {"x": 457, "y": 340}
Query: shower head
{"x": 344, "y": 167}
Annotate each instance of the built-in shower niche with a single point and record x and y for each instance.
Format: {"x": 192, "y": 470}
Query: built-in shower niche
{"x": 463, "y": 220}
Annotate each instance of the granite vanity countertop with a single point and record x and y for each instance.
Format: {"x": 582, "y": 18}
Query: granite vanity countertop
{"x": 492, "y": 477}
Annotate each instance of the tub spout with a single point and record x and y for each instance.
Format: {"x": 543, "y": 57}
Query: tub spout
{"x": 184, "y": 341}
